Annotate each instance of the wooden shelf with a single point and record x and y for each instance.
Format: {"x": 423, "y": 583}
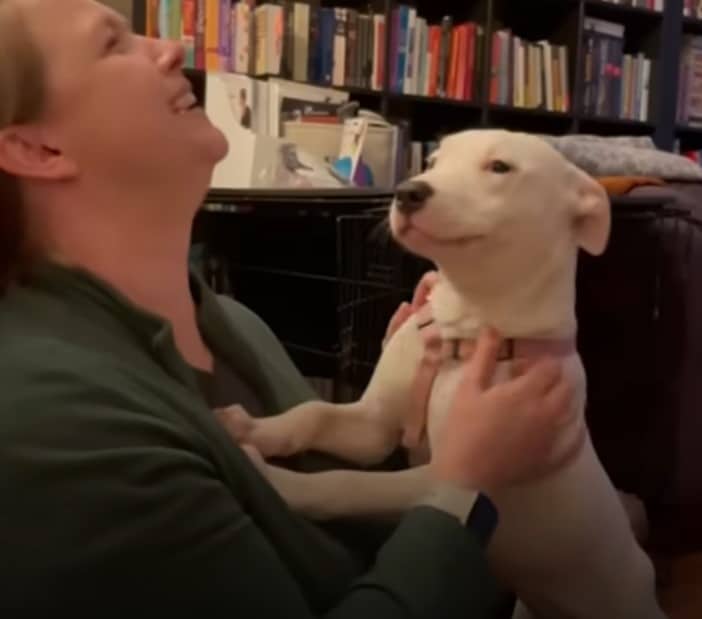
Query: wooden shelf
{"x": 689, "y": 130}
{"x": 433, "y": 100}
{"x": 528, "y": 111}
{"x": 692, "y": 25}
{"x": 620, "y": 122}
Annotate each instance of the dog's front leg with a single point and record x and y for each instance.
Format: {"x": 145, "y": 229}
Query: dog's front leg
{"x": 354, "y": 432}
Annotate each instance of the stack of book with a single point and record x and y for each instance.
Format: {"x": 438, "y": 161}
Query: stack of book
{"x": 692, "y": 8}
{"x": 528, "y": 74}
{"x": 689, "y": 110}
{"x": 302, "y": 41}
{"x": 616, "y": 85}
{"x": 434, "y": 60}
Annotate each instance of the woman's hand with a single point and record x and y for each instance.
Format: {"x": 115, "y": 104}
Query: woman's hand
{"x": 421, "y": 294}
{"x": 496, "y": 436}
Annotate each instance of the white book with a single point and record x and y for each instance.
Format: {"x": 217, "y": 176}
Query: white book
{"x": 301, "y": 21}
{"x": 563, "y": 62}
{"x": 410, "y": 70}
{"x": 417, "y": 59}
{"x": 548, "y": 74}
{"x": 645, "y": 88}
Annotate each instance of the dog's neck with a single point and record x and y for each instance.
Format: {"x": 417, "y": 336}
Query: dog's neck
{"x": 536, "y": 304}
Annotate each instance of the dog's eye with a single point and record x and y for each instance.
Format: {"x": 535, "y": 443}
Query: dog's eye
{"x": 499, "y": 167}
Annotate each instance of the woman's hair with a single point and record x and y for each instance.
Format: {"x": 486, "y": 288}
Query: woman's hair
{"x": 22, "y": 82}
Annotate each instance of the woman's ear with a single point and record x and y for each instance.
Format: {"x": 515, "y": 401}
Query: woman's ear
{"x": 591, "y": 213}
{"x": 24, "y": 154}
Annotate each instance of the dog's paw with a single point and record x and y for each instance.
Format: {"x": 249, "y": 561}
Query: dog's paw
{"x": 236, "y": 421}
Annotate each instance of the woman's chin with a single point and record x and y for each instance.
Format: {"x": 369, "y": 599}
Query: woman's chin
{"x": 218, "y": 147}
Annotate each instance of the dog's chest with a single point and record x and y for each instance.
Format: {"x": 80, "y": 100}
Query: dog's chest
{"x": 444, "y": 392}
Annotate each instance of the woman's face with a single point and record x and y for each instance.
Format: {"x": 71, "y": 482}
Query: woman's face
{"x": 118, "y": 105}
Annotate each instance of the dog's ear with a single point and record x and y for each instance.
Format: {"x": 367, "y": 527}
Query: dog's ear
{"x": 592, "y": 217}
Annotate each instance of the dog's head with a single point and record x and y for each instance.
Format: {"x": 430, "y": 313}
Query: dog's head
{"x": 487, "y": 192}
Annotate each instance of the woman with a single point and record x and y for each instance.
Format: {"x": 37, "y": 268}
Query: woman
{"x": 121, "y": 492}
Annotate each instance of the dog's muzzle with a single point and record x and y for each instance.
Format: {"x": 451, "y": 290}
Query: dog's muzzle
{"x": 411, "y": 196}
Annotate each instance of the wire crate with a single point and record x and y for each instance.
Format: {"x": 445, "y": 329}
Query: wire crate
{"x": 375, "y": 276}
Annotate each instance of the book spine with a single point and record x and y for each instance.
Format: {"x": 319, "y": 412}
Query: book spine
{"x": 200, "y": 56}
{"x": 287, "y": 63}
{"x": 189, "y": 21}
{"x": 444, "y": 55}
{"x": 152, "y": 19}
{"x": 339, "y": 71}
{"x": 403, "y": 47}
{"x": 175, "y": 20}
{"x": 164, "y": 26}
{"x": 394, "y": 49}
{"x": 314, "y": 73}
{"x": 225, "y": 52}
{"x": 435, "y": 46}
{"x": 327, "y": 29}
{"x": 368, "y": 57}
{"x": 351, "y": 76}
{"x": 212, "y": 35}
{"x": 375, "y": 78}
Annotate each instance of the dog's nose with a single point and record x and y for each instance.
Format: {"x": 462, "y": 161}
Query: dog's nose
{"x": 412, "y": 196}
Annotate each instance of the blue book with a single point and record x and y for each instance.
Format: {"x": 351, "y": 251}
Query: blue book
{"x": 327, "y": 27}
{"x": 402, "y": 48}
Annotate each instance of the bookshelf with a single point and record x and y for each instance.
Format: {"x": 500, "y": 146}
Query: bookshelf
{"x": 652, "y": 35}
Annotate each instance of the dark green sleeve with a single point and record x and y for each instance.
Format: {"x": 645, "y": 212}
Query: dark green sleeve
{"x": 114, "y": 513}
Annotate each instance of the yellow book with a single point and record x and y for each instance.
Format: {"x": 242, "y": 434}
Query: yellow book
{"x": 152, "y": 18}
{"x": 212, "y": 35}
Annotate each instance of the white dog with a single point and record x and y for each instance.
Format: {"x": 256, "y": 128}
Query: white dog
{"x": 503, "y": 216}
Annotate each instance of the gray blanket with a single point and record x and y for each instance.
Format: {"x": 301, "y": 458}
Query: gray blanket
{"x": 624, "y": 156}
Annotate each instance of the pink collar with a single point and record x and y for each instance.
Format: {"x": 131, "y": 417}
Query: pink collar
{"x": 438, "y": 350}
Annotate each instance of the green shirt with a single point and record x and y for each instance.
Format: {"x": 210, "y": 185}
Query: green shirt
{"x": 120, "y": 495}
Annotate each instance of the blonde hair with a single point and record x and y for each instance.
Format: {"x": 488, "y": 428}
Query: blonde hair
{"x": 22, "y": 96}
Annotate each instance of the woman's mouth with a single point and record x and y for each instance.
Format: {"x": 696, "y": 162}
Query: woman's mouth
{"x": 184, "y": 103}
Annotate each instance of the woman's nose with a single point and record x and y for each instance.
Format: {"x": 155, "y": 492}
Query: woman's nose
{"x": 170, "y": 55}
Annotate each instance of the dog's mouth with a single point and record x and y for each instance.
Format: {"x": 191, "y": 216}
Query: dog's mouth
{"x": 457, "y": 241}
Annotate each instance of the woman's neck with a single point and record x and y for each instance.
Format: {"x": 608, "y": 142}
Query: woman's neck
{"x": 152, "y": 272}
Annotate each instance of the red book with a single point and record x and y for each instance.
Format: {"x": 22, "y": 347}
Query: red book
{"x": 453, "y": 65}
{"x": 380, "y": 37}
{"x": 495, "y": 69}
{"x": 470, "y": 61}
{"x": 435, "y": 48}
{"x": 462, "y": 35}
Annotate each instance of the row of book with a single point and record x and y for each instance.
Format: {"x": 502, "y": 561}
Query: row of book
{"x": 435, "y": 60}
{"x": 306, "y": 42}
{"x": 689, "y": 110}
{"x": 528, "y": 74}
{"x": 616, "y": 84}
{"x": 692, "y": 8}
